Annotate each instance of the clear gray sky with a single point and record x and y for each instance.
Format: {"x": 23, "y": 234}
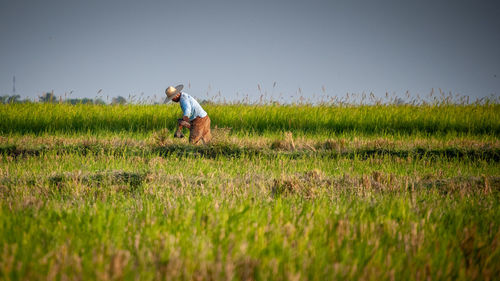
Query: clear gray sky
{"x": 133, "y": 47}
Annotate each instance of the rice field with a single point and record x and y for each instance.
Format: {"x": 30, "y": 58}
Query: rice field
{"x": 284, "y": 192}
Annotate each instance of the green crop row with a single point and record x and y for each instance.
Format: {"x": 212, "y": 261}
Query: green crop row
{"x": 256, "y": 119}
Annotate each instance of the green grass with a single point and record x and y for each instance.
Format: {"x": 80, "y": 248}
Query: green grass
{"x": 256, "y": 119}
{"x": 356, "y": 193}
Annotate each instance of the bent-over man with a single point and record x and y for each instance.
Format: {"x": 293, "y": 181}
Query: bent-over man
{"x": 195, "y": 118}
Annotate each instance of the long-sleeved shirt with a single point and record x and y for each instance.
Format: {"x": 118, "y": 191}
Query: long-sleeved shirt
{"x": 191, "y": 107}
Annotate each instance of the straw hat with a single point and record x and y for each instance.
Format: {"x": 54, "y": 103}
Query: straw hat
{"x": 171, "y": 92}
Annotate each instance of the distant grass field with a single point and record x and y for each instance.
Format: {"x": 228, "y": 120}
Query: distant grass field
{"x": 329, "y": 120}
{"x": 380, "y": 192}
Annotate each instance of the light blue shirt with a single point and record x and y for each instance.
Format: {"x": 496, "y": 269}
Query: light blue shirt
{"x": 191, "y": 107}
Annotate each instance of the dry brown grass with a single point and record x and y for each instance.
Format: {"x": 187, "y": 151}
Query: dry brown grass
{"x": 287, "y": 142}
{"x": 284, "y": 143}
{"x": 305, "y": 185}
{"x": 220, "y": 135}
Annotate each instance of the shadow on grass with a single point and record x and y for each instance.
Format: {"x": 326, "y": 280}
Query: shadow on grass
{"x": 132, "y": 179}
{"x": 213, "y": 151}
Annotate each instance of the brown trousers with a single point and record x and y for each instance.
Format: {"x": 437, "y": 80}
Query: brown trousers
{"x": 200, "y": 130}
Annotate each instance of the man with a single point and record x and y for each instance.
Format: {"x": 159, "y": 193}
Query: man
{"x": 195, "y": 118}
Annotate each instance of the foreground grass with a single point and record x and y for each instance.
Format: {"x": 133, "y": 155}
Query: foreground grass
{"x": 76, "y": 216}
{"x": 167, "y": 235}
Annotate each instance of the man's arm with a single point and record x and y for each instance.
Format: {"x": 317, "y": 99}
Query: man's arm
{"x": 186, "y": 109}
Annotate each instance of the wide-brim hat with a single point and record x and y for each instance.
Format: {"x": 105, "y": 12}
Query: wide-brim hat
{"x": 171, "y": 92}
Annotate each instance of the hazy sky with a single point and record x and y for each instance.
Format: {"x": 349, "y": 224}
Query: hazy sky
{"x": 133, "y": 47}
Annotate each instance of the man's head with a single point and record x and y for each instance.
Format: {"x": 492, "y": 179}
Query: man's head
{"x": 174, "y": 93}
{"x": 177, "y": 98}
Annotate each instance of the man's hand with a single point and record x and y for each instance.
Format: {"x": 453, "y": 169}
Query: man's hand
{"x": 178, "y": 134}
{"x": 184, "y": 122}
